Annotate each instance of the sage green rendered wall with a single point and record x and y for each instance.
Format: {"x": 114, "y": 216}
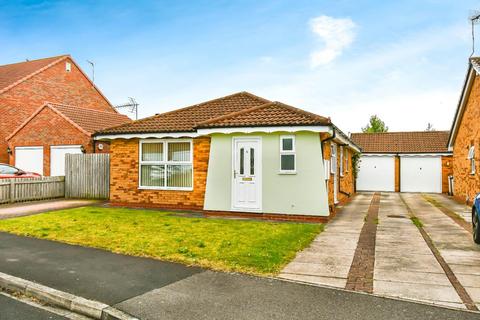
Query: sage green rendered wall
{"x": 303, "y": 193}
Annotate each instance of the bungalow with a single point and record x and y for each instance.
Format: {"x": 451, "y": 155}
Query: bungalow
{"x": 404, "y": 161}
{"x": 237, "y": 154}
{"x": 464, "y": 139}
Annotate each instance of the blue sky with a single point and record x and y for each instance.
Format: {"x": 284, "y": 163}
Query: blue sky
{"x": 346, "y": 59}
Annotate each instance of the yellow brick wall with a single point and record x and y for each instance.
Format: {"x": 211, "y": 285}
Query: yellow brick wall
{"x": 124, "y": 178}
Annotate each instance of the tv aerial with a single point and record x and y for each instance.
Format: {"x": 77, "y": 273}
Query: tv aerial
{"x": 131, "y": 107}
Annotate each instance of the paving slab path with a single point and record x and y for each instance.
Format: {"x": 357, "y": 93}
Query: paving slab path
{"x": 28, "y": 208}
{"x": 436, "y": 263}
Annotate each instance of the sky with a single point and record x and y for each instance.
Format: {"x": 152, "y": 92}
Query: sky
{"x": 404, "y": 61}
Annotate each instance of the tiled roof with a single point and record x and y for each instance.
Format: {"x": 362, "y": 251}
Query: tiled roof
{"x": 269, "y": 114}
{"x": 11, "y": 74}
{"x": 91, "y": 120}
{"x": 185, "y": 119}
{"x": 237, "y": 110}
{"x": 402, "y": 142}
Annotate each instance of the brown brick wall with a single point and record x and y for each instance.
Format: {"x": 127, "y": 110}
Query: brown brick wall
{"x": 124, "y": 178}
{"x": 447, "y": 170}
{"x": 48, "y": 129}
{"x": 346, "y": 183}
{"x": 53, "y": 85}
{"x": 467, "y": 185}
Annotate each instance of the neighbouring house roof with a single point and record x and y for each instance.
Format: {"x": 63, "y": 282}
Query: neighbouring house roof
{"x": 86, "y": 120}
{"x": 236, "y": 110}
{"x": 268, "y": 114}
{"x": 472, "y": 71}
{"x": 402, "y": 142}
{"x": 15, "y": 73}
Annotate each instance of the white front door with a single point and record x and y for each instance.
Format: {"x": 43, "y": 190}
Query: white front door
{"x": 57, "y": 158}
{"x": 247, "y": 175}
{"x": 29, "y": 159}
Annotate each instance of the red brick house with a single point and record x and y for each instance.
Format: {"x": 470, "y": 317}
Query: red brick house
{"x": 31, "y": 129}
{"x": 464, "y": 139}
{"x": 412, "y": 161}
{"x": 239, "y": 154}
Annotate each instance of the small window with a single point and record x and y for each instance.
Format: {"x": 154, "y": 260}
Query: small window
{"x": 471, "y": 157}
{"x": 341, "y": 161}
{"x": 287, "y": 154}
{"x": 346, "y": 160}
{"x": 333, "y": 158}
{"x": 68, "y": 66}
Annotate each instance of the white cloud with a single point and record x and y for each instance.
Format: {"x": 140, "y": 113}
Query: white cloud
{"x": 336, "y": 34}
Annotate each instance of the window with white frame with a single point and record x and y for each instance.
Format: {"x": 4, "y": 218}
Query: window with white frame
{"x": 333, "y": 158}
{"x": 287, "y": 154}
{"x": 166, "y": 164}
{"x": 346, "y": 160}
{"x": 341, "y": 161}
{"x": 471, "y": 157}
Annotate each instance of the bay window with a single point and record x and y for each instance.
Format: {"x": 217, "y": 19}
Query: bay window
{"x": 166, "y": 164}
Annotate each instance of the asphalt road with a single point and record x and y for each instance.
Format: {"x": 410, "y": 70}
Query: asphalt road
{"x": 151, "y": 289}
{"x": 11, "y": 309}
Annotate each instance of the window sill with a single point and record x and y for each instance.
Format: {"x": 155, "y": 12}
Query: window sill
{"x": 287, "y": 172}
{"x": 165, "y": 189}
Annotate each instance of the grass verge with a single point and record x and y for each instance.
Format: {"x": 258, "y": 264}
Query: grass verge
{"x": 258, "y": 247}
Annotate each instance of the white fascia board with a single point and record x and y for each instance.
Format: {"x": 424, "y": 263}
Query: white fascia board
{"x": 209, "y": 131}
{"x": 379, "y": 154}
{"x": 342, "y": 140}
{"x": 159, "y": 135}
{"x": 406, "y": 154}
{"x": 461, "y": 106}
{"x": 438, "y": 154}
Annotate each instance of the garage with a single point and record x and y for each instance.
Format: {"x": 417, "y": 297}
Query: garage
{"x": 376, "y": 173}
{"x": 409, "y": 161}
{"x": 57, "y": 158}
{"x": 29, "y": 159}
{"x": 421, "y": 174}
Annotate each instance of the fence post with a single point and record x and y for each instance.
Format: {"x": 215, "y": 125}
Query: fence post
{"x": 12, "y": 190}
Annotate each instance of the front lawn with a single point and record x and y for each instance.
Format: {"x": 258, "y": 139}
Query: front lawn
{"x": 258, "y": 247}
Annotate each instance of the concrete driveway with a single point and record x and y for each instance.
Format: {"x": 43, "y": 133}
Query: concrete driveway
{"x": 412, "y": 246}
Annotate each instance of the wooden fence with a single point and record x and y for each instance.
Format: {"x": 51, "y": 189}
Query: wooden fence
{"x": 28, "y": 189}
{"x": 87, "y": 176}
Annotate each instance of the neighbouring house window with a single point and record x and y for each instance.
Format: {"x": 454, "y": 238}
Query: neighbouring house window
{"x": 166, "y": 164}
{"x": 346, "y": 160}
{"x": 471, "y": 157}
{"x": 341, "y": 161}
{"x": 287, "y": 154}
{"x": 327, "y": 169}
{"x": 333, "y": 158}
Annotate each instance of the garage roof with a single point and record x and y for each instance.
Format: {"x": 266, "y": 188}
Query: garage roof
{"x": 402, "y": 142}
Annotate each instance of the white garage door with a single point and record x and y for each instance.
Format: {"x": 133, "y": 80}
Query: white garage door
{"x": 57, "y": 158}
{"x": 421, "y": 174}
{"x": 377, "y": 173}
{"x": 29, "y": 159}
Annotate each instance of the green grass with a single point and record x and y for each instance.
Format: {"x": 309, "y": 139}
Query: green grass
{"x": 417, "y": 222}
{"x": 258, "y": 247}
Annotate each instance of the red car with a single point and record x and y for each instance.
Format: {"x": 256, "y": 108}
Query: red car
{"x": 7, "y": 172}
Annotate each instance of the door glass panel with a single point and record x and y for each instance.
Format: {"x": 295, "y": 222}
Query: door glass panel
{"x": 242, "y": 159}
{"x": 252, "y": 161}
